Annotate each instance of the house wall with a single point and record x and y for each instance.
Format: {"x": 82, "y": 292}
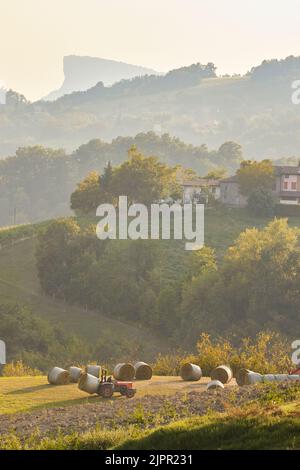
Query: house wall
{"x": 289, "y": 183}
{"x": 231, "y": 196}
{"x": 190, "y": 191}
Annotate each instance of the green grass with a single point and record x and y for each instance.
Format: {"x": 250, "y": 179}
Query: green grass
{"x": 240, "y": 432}
{"x": 223, "y": 226}
{"x": 247, "y": 429}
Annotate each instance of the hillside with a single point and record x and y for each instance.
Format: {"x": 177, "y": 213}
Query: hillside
{"x": 19, "y": 284}
{"x": 82, "y": 73}
{"x": 255, "y": 110}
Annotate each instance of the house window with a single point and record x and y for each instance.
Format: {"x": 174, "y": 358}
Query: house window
{"x": 285, "y": 185}
{"x": 294, "y": 186}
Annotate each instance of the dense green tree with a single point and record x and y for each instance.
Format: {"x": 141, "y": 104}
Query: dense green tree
{"x": 55, "y": 255}
{"x": 254, "y": 175}
{"x": 262, "y": 202}
{"x": 256, "y": 286}
{"x": 87, "y": 197}
{"x": 144, "y": 179}
{"x": 33, "y": 340}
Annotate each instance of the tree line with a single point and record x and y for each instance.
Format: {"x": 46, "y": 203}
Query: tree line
{"x": 37, "y": 182}
{"x": 156, "y": 283}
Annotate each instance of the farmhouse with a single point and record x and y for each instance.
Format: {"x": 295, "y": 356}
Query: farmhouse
{"x": 288, "y": 184}
{"x": 287, "y": 187}
{"x": 199, "y": 189}
{"x": 230, "y": 192}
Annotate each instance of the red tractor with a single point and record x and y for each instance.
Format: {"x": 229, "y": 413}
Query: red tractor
{"x": 108, "y": 387}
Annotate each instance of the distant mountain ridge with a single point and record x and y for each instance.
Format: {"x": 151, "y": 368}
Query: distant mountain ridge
{"x": 192, "y": 103}
{"x": 84, "y": 72}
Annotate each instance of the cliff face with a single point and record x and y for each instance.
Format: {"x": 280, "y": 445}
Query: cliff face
{"x": 82, "y": 73}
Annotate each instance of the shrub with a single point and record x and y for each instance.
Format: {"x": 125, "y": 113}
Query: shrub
{"x": 268, "y": 352}
{"x": 19, "y": 369}
{"x": 169, "y": 364}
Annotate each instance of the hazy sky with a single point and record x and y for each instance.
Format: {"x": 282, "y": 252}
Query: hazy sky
{"x": 161, "y": 34}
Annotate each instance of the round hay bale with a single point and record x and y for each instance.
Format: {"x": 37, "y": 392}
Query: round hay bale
{"x": 253, "y": 378}
{"x": 142, "y": 371}
{"x": 58, "y": 376}
{"x": 222, "y": 373}
{"x": 241, "y": 376}
{"x": 75, "y": 374}
{"x": 94, "y": 370}
{"x": 294, "y": 378}
{"x": 190, "y": 372}
{"x": 279, "y": 378}
{"x": 215, "y": 385}
{"x": 88, "y": 383}
{"x": 124, "y": 372}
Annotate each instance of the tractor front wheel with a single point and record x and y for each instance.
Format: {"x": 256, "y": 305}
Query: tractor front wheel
{"x": 130, "y": 393}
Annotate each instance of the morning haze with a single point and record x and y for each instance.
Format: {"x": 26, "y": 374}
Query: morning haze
{"x": 234, "y": 35}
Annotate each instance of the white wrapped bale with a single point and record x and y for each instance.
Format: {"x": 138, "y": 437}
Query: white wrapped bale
{"x": 94, "y": 370}
{"x": 190, "y": 372}
{"x": 124, "y": 372}
{"x": 58, "y": 376}
{"x": 142, "y": 371}
{"x": 222, "y": 373}
{"x": 89, "y": 383}
{"x": 215, "y": 385}
{"x": 75, "y": 374}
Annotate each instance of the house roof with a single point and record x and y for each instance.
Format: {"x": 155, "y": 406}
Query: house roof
{"x": 200, "y": 182}
{"x": 231, "y": 179}
{"x": 286, "y": 170}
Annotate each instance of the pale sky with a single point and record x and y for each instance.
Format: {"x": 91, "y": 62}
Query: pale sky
{"x": 160, "y": 34}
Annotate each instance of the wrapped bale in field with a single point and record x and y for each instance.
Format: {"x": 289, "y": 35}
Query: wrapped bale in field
{"x": 215, "y": 385}
{"x": 142, "y": 371}
{"x": 222, "y": 373}
{"x": 253, "y": 378}
{"x": 75, "y": 374}
{"x": 88, "y": 383}
{"x": 190, "y": 372}
{"x": 94, "y": 370}
{"x": 280, "y": 378}
{"x": 124, "y": 371}
{"x": 241, "y": 376}
{"x": 58, "y": 376}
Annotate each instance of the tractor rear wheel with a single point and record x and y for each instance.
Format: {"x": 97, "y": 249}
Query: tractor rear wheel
{"x": 106, "y": 390}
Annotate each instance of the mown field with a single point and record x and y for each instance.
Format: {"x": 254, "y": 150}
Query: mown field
{"x": 166, "y": 413}
{"x": 18, "y": 394}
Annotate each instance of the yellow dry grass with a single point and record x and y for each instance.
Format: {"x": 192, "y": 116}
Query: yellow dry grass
{"x": 18, "y": 394}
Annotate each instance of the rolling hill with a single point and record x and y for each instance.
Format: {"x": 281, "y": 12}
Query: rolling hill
{"x": 19, "y": 284}
{"x": 192, "y": 103}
